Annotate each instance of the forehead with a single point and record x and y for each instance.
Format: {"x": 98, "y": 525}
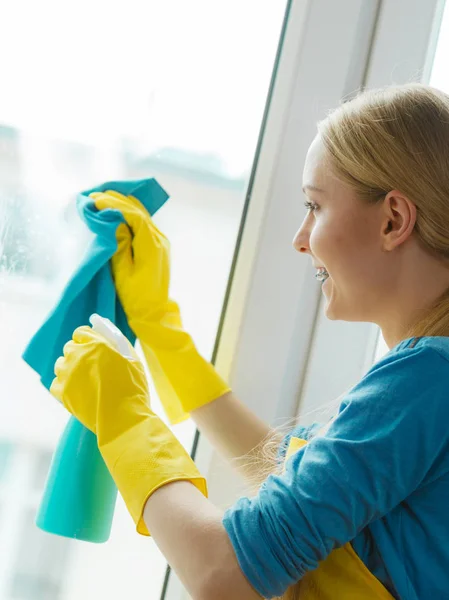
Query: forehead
{"x": 316, "y": 168}
{"x": 318, "y": 174}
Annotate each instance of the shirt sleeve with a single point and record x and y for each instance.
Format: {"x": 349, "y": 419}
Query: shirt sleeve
{"x": 389, "y": 431}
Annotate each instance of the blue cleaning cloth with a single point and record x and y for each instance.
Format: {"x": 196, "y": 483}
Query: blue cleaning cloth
{"x": 91, "y": 288}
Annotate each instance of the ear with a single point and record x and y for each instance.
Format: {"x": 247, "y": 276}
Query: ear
{"x": 399, "y": 220}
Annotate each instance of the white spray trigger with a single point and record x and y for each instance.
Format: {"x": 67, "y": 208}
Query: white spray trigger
{"x": 113, "y": 334}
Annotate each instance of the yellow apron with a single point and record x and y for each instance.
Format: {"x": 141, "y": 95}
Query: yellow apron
{"x": 342, "y": 575}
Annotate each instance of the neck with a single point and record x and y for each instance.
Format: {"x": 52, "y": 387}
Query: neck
{"x": 420, "y": 283}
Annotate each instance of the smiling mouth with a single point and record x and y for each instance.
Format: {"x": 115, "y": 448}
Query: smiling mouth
{"x": 321, "y": 274}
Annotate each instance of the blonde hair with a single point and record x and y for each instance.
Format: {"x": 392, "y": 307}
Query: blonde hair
{"x": 398, "y": 138}
{"x": 395, "y": 138}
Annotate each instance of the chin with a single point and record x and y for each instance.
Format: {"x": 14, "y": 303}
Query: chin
{"x": 332, "y": 314}
{"x": 340, "y": 313}
{"x": 338, "y": 310}
{"x": 329, "y": 309}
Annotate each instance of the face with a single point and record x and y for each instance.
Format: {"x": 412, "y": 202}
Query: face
{"x": 343, "y": 234}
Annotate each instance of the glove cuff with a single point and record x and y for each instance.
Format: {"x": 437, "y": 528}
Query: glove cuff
{"x": 184, "y": 380}
{"x": 144, "y": 458}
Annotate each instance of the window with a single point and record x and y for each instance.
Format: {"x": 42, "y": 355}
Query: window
{"x": 439, "y": 76}
{"x": 40, "y": 565}
{"x": 103, "y": 91}
{"x": 174, "y": 90}
{"x": 5, "y": 460}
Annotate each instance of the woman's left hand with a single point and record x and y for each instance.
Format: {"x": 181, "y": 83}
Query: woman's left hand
{"x": 108, "y": 393}
{"x": 93, "y": 373}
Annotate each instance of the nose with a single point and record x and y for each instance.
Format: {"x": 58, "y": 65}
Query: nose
{"x": 302, "y": 237}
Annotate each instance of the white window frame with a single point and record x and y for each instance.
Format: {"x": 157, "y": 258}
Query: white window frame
{"x": 274, "y": 339}
{"x": 402, "y": 50}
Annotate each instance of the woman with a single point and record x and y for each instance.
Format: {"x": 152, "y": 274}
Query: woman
{"x": 360, "y": 510}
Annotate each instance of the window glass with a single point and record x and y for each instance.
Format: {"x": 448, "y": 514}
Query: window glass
{"x": 40, "y": 563}
{"x": 95, "y": 91}
{"x": 5, "y": 459}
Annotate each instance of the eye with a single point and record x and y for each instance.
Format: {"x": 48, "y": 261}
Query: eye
{"x": 311, "y": 205}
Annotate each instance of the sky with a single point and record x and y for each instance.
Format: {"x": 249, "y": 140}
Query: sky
{"x": 166, "y": 73}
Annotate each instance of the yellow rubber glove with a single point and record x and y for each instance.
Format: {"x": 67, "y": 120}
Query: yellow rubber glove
{"x": 108, "y": 394}
{"x": 183, "y": 379}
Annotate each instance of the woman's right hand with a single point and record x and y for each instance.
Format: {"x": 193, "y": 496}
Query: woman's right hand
{"x": 141, "y": 264}
{"x": 141, "y": 270}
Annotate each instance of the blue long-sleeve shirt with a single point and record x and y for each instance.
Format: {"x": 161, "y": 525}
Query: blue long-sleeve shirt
{"x": 378, "y": 478}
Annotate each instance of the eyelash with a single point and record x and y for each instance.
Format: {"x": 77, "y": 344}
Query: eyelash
{"x": 311, "y": 205}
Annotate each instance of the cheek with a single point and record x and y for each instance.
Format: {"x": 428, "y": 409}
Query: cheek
{"x": 326, "y": 239}
{"x": 345, "y": 249}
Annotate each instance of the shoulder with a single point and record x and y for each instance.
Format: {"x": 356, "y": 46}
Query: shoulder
{"x": 405, "y": 389}
{"x": 411, "y": 365}
{"x": 412, "y": 350}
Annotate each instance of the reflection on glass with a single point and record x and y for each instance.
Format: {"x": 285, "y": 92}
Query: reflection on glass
{"x": 42, "y": 459}
{"x": 40, "y": 564}
{"x": 172, "y": 90}
{"x": 6, "y": 450}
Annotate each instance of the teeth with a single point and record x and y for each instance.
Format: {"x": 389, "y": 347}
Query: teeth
{"x": 321, "y": 274}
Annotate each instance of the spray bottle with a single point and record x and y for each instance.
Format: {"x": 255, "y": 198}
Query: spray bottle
{"x": 78, "y": 467}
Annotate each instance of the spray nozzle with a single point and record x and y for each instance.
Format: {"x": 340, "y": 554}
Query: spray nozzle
{"x": 113, "y": 334}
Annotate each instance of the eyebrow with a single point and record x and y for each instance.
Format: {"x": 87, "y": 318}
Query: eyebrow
{"x": 312, "y": 188}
